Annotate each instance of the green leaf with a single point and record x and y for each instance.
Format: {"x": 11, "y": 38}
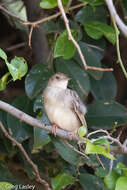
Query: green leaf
{"x": 38, "y": 104}
{"x": 6, "y": 186}
{"x": 121, "y": 183}
{"x": 90, "y": 182}
{"x": 101, "y": 142}
{"x": 101, "y": 173}
{"x": 98, "y": 149}
{"x": 65, "y": 47}
{"x": 80, "y": 79}
{"x": 88, "y": 14}
{"x": 97, "y": 29}
{"x": 91, "y": 58}
{"x": 17, "y": 67}
{"x": 41, "y": 138}
{"x": 82, "y": 131}
{"x": 66, "y": 153}
{"x": 110, "y": 180}
{"x": 3, "y": 81}
{"x": 49, "y": 4}
{"x": 20, "y": 130}
{"x": 3, "y": 55}
{"x": 37, "y": 79}
{"x": 106, "y": 114}
{"x": 105, "y": 88}
{"x": 62, "y": 180}
{"x": 121, "y": 169}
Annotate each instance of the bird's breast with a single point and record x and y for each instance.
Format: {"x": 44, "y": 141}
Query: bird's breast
{"x": 60, "y": 114}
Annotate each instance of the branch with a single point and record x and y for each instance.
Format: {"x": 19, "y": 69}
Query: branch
{"x": 62, "y": 11}
{"x": 75, "y": 150}
{"x": 114, "y": 15}
{"x": 119, "y": 149}
{"x": 70, "y": 37}
{"x": 32, "y": 121}
{"x": 43, "y": 182}
{"x": 11, "y": 14}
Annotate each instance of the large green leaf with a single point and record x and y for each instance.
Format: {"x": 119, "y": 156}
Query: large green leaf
{"x": 105, "y": 88}
{"x": 66, "y": 153}
{"x": 91, "y": 58}
{"x": 41, "y": 138}
{"x": 106, "y": 114}
{"x": 110, "y": 180}
{"x": 121, "y": 183}
{"x": 62, "y": 180}
{"x": 90, "y": 182}
{"x": 37, "y": 79}
{"x": 98, "y": 149}
{"x": 17, "y": 67}
{"x": 20, "y": 130}
{"x": 97, "y": 29}
{"x": 80, "y": 79}
{"x": 88, "y": 14}
{"x": 65, "y": 47}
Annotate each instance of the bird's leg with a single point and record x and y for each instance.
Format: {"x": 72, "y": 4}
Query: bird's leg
{"x": 54, "y": 129}
{"x": 73, "y": 134}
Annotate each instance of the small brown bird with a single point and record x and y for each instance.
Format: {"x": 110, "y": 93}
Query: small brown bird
{"x": 63, "y": 105}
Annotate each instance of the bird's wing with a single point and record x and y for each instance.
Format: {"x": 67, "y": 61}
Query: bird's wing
{"x": 78, "y": 106}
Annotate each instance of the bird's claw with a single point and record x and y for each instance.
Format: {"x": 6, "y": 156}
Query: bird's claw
{"x": 54, "y": 129}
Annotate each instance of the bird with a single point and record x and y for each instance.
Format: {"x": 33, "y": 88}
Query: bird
{"x": 63, "y": 106}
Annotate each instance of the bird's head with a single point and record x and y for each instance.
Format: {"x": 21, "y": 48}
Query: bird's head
{"x": 59, "y": 80}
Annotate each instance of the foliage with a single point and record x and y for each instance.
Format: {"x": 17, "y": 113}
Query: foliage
{"x": 17, "y": 69}
{"x": 91, "y": 29}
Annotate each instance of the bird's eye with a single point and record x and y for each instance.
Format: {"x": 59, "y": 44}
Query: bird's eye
{"x": 57, "y": 77}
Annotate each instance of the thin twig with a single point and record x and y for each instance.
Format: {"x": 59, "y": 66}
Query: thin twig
{"x": 43, "y": 182}
{"x": 111, "y": 139}
{"x": 111, "y": 166}
{"x": 74, "y": 149}
{"x": 30, "y": 35}
{"x": 118, "y": 48}
{"x": 55, "y": 15}
{"x": 11, "y": 14}
{"x": 69, "y": 33}
{"x": 116, "y": 17}
{"x": 98, "y": 131}
{"x": 70, "y": 37}
{"x": 99, "y": 160}
{"x": 62, "y": 11}
{"x": 16, "y": 46}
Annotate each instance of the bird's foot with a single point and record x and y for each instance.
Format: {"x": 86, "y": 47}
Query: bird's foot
{"x": 54, "y": 129}
{"x": 73, "y": 134}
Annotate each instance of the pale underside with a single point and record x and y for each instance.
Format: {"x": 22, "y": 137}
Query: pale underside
{"x": 60, "y": 107}
{"x": 63, "y": 117}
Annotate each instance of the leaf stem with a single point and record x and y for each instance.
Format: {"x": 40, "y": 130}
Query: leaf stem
{"x": 118, "y": 48}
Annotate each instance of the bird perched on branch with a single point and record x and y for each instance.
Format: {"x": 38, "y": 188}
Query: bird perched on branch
{"x": 63, "y": 106}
